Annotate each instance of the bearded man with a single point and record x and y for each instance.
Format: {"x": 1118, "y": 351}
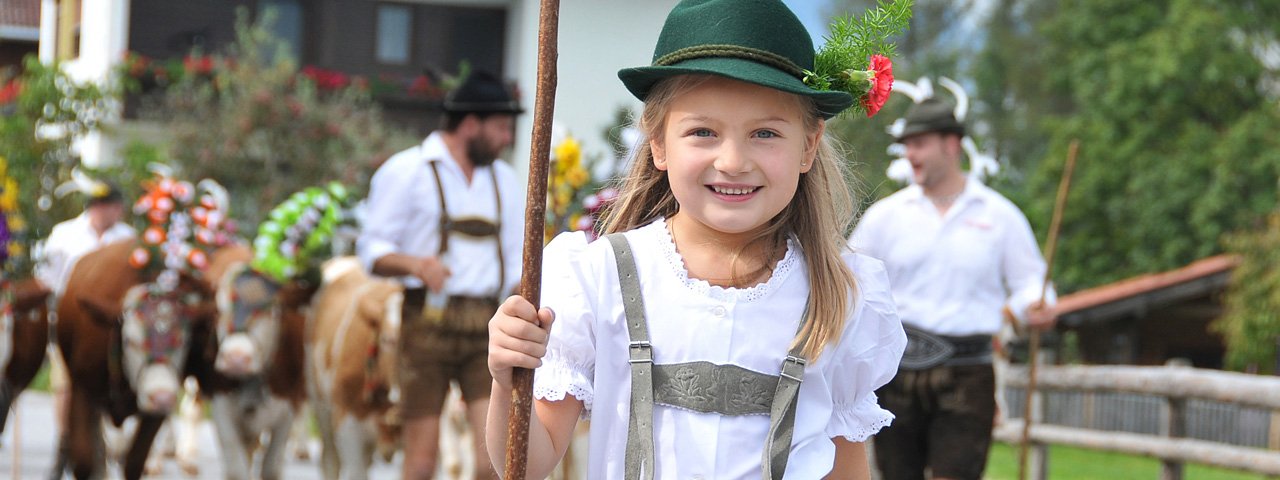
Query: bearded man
{"x": 447, "y": 220}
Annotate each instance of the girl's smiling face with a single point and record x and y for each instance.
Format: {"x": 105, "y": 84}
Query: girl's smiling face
{"x": 734, "y": 152}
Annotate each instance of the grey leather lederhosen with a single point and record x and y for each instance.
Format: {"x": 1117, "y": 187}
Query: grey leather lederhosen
{"x": 699, "y": 386}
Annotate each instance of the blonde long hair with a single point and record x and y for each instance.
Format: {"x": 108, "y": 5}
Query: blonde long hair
{"x": 818, "y": 215}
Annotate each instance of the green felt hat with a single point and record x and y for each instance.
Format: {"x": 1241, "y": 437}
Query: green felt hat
{"x": 931, "y": 115}
{"x": 754, "y": 41}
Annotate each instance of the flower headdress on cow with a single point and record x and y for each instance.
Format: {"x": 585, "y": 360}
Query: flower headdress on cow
{"x": 290, "y": 242}
{"x": 931, "y": 114}
{"x": 11, "y": 223}
{"x": 762, "y": 42}
{"x": 184, "y": 223}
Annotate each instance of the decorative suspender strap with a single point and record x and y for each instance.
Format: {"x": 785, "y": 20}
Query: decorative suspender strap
{"x": 640, "y": 450}
{"x": 639, "y": 456}
{"x": 444, "y": 209}
{"x": 497, "y": 238}
{"x": 445, "y": 221}
{"x": 782, "y": 415}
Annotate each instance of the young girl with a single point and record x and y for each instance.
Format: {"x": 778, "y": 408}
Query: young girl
{"x": 722, "y": 329}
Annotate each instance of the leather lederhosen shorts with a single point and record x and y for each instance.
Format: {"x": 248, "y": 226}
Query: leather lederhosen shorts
{"x": 944, "y": 420}
{"x": 433, "y": 355}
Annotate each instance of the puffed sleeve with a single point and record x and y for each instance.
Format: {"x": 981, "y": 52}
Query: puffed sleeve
{"x": 569, "y": 365}
{"x": 866, "y": 357}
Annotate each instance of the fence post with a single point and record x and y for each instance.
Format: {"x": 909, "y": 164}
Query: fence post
{"x": 1039, "y": 452}
{"x": 1273, "y": 433}
{"x": 1039, "y": 461}
{"x": 1174, "y": 413}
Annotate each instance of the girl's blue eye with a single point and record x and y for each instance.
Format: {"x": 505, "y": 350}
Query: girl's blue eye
{"x": 701, "y": 132}
{"x": 767, "y": 134}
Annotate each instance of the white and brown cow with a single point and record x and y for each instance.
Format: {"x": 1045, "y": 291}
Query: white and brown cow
{"x": 126, "y": 345}
{"x": 257, "y": 383}
{"x": 352, "y": 344}
{"x": 24, "y": 333}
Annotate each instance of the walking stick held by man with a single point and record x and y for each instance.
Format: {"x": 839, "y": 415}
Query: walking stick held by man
{"x": 535, "y": 212}
{"x": 1051, "y": 245}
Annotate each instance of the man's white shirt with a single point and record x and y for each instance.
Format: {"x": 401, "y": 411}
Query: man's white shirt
{"x": 69, "y": 241}
{"x": 952, "y": 274}
{"x": 402, "y": 215}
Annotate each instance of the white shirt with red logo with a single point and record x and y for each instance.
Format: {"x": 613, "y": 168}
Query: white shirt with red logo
{"x": 952, "y": 274}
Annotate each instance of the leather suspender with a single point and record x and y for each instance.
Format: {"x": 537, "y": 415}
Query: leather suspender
{"x": 446, "y": 221}
{"x": 444, "y": 210}
{"x": 640, "y": 449}
{"x": 639, "y": 456}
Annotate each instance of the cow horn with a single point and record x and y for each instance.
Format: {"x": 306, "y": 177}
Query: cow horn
{"x": 80, "y": 182}
{"x": 962, "y": 98}
{"x": 160, "y": 169}
{"x": 217, "y": 191}
{"x": 909, "y": 89}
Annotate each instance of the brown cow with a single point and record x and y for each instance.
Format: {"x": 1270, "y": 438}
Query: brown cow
{"x": 257, "y": 384}
{"x": 126, "y": 345}
{"x": 351, "y": 352}
{"x": 23, "y": 337}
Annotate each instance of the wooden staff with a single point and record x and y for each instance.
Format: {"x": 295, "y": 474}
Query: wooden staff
{"x": 1050, "y": 247}
{"x": 534, "y": 229}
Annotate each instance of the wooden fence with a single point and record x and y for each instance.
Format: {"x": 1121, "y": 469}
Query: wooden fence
{"x": 1175, "y": 414}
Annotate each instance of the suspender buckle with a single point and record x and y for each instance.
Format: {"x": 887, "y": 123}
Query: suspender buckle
{"x": 641, "y": 352}
{"x": 793, "y": 367}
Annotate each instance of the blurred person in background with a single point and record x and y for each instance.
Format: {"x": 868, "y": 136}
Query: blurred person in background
{"x": 958, "y": 255}
{"x": 447, "y": 219}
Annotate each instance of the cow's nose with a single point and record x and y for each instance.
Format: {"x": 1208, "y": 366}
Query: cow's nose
{"x": 237, "y": 363}
{"x": 162, "y": 400}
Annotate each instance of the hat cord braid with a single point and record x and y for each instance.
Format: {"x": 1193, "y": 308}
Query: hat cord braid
{"x": 734, "y": 51}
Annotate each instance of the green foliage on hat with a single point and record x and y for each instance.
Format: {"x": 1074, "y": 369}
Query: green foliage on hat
{"x": 852, "y": 42}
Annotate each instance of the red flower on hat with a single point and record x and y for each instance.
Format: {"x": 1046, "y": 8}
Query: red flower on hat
{"x": 881, "y": 70}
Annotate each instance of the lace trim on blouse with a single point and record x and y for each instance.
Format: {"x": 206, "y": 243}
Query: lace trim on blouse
{"x": 555, "y": 379}
{"x": 858, "y": 422}
{"x": 702, "y": 287}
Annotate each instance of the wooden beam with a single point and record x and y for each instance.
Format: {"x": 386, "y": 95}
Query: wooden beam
{"x": 1178, "y": 382}
{"x": 1177, "y": 449}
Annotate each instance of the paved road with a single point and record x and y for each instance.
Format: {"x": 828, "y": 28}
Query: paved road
{"x": 32, "y": 423}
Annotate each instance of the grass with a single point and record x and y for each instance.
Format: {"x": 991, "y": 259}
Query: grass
{"x": 1069, "y": 463}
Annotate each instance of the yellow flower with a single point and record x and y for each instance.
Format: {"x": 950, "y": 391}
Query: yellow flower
{"x": 15, "y": 249}
{"x": 9, "y": 196}
{"x": 577, "y": 177}
{"x": 569, "y": 153}
{"x": 562, "y": 199}
{"x": 16, "y": 223}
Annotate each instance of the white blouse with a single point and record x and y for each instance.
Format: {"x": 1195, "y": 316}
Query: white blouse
{"x": 691, "y": 320}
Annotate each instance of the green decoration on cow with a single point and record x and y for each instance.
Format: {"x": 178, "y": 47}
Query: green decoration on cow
{"x": 290, "y": 242}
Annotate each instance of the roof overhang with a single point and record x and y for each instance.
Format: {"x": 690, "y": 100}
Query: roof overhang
{"x": 1138, "y": 295}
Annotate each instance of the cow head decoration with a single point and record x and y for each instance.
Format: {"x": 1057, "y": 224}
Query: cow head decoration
{"x": 156, "y": 329}
{"x": 248, "y": 328}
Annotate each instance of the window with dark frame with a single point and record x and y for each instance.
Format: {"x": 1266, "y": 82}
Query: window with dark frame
{"x": 394, "y": 31}
{"x": 287, "y": 24}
